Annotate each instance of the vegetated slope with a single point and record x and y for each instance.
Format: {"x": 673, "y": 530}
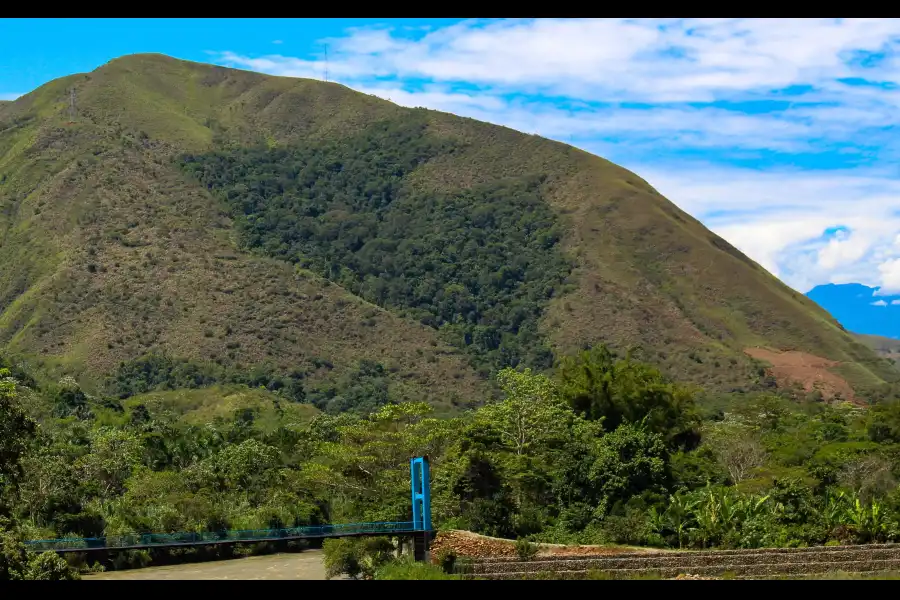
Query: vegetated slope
{"x": 109, "y": 252}
{"x": 479, "y": 264}
{"x": 886, "y": 347}
{"x": 121, "y": 231}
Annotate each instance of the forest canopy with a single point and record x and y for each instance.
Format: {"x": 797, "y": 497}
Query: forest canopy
{"x": 479, "y": 264}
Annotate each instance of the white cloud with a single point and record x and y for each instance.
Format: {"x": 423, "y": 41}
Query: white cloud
{"x": 842, "y": 250}
{"x": 879, "y": 303}
{"x": 766, "y": 104}
{"x": 890, "y": 276}
{"x": 895, "y": 302}
{"x": 277, "y": 42}
{"x": 655, "y": 60}
{"x": 779, "y": 218}
{"x": 9, "y": 96}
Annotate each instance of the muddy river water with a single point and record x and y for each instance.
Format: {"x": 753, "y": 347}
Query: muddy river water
{"x": 306, "y": 565}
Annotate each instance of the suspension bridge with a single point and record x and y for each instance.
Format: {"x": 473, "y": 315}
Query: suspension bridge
{"x": 419, "y": 529}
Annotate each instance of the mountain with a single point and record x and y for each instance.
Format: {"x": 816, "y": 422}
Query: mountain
{"x": 886, "y": 347}
{"x": 860, "y": 308}
{"x": 194, "y": 224}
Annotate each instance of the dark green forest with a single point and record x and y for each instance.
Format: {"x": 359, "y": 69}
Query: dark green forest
{"x": 360, "y": 390}
{"x": 603, "y": 449}
{"x": 479, "y": 264}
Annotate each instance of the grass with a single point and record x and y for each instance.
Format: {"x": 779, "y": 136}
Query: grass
{"x": 835, "y": 575}
{"x": 206, "y": 405}
{"x": 409, "y": 569}
{"x": 110, "y": 252}
{"x": 594, "y": 574}
{"x": 888, "y": 348}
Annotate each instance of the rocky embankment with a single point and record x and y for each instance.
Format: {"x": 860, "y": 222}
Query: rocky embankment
{"x": 758, "y": 563}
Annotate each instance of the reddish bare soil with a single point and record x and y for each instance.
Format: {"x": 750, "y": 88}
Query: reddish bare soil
{"x": 810, "y": 371}
{"x": 473, "y": 545}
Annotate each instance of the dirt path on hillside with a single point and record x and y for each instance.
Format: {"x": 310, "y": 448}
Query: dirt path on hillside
{"x": 306, "y": 565}
{"x": 810, "y": 371}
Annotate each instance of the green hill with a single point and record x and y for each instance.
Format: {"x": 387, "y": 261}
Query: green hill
{"x": 231, "y": 222}
{"x": 883, "y": 346}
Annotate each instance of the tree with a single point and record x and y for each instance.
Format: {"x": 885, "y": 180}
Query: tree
{"x": 49, "y": 486}
{"x": 736, "y": 447}
{"x": 70, "y": 400}
{"x": 17, "y": 564}
{"x": 49, "y": 566}
{"x": 356, "y": 557}
{"x": 867, "y": 476}
{"x": 884, "y": 423}
{"x": 114, "y": 455}
{"x": 520, "y": 439}
{"x": 240, "y": 465}
{"x": 765, "y": 412}
{"x": 531, "y": 417}
{"x": 368, "y": 459}
{"x": 16, "y": 430}
{"x": 598, "y": 386}
{"x": 629, "y": 461}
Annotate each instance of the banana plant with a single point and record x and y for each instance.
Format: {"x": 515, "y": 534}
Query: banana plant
{"x": 679, "y": 515}
{"x": 657, "y": 520}
{"x": 751, "y": 507}
{"x": 835, "y": 510}
{"x": 858, "y": 517}
{"x": 878, "y": 522}
{"x": 710, "y": 515}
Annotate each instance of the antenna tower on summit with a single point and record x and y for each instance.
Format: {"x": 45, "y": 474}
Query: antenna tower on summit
{"x": 326, "y": 63}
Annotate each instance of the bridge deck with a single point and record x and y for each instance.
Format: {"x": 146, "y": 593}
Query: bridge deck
{"x": 209, "y": 538}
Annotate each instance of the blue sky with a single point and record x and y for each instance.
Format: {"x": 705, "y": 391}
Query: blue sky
{"x": 778, "y": 134}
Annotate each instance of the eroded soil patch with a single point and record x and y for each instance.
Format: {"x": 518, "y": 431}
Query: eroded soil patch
{"x": 810, "y": 371}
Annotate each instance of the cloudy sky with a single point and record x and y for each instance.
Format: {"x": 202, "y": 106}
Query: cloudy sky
{"x": 778, "y": 134}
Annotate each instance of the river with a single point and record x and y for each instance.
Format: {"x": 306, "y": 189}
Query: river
{"x": 307, "y": 565}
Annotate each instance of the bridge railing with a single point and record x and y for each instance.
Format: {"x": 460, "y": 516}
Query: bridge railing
{"x": 149, "y": 540}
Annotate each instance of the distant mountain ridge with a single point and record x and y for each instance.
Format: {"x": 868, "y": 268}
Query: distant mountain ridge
{"x": 860, "y": 308}
{"x": 885, "y": 347}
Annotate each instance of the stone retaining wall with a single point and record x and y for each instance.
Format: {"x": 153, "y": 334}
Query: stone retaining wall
{"x": 737, "y": 563}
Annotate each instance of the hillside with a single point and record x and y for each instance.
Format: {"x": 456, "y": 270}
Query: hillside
{"x": 233, "y": 221}
{"x": 883, "y": 346}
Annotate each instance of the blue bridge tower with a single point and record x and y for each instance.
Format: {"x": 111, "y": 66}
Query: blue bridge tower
{"x": 421, "y": 505}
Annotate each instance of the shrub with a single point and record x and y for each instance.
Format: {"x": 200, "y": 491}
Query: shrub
{"x": 356, "y": 557}
{"x": 16, "y": 563}
{"x": 599, "y": 575}
{"x": 406, "y": 568}
{"x": 131, "y": 559}
{"x": 525, "y": 549}
{"x": 446, "y": 559}
{"x": 50, "y": 567}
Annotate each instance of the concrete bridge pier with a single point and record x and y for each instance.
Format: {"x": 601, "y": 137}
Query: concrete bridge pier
{"x": 421, "y": 545}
